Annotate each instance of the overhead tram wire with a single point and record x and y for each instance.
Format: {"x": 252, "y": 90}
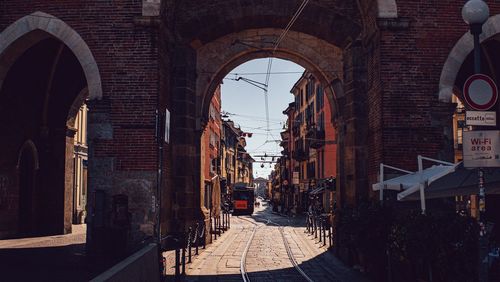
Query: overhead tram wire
{"x": 270, "y": 61}
{"x": 269, "y": 67}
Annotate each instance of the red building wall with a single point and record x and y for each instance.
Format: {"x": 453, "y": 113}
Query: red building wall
{"x": 211, "y": 135}
{"x": 330, "y": 149}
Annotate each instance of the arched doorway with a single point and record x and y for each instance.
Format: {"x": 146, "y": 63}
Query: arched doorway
{"x": 28, "y": 167}
{"x": 48, "y": 73}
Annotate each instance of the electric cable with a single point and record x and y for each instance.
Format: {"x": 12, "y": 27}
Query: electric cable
{"x": 270, "y": 61}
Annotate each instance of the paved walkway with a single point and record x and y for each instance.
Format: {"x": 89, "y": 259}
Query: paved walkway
{"x": 48, "y": 258}
{"x": 267, "y": 258}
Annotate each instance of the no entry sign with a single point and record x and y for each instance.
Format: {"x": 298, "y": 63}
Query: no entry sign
{"x": 480, "y": 92}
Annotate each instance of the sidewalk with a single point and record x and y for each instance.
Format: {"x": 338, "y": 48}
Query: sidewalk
{"x": 47, "y": 258}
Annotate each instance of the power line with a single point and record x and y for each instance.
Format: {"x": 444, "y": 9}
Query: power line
{"x": 270, "y": 61}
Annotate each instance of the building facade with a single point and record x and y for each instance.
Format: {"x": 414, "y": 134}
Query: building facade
{"x": 210, "y": 159}
{"x": 309, "y": 158}
{"x": 389, "y": 74}
{"x": 80, "y": 159}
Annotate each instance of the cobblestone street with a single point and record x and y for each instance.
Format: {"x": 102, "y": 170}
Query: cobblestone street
{"x": 267, "y": 258}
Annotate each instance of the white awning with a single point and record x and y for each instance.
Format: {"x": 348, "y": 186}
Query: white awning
{"x": 410, "y": 183}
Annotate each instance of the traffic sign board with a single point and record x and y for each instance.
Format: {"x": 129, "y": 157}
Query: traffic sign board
{"x": 480, "y": 92}
{"x": 481, "y": 118}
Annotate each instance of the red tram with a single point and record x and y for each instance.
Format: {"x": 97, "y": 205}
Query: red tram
{"x": 243, "y": 200}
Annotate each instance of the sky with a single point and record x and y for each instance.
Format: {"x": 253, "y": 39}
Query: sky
{"x": 245, "y": 105}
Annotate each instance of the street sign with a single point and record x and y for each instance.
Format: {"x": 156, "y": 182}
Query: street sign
{"x": 480, "y": 92}
{"x": 481, "y": 118}
{"x": 481, "y": 148}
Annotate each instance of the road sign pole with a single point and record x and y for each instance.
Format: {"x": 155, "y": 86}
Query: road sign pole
{"x": 483, "y": 239}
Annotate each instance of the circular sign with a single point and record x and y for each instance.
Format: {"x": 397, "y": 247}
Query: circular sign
{"x": 480, "y": 92}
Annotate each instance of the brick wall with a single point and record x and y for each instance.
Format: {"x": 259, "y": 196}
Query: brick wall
{"x": 413, "y": 50}
{"x": 122, "y": 157}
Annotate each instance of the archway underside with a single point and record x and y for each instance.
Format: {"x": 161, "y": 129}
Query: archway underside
{"x": 36, "y": 96}
{"x": 216, "y": 59}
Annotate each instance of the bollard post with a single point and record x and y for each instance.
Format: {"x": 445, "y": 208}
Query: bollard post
{"x": 183, "y": 260}
{"x": 215, "y": 228}
{"x": 320, "y": 227}
{"x": 223, "y": 221}
{"x": 190, "y": 230}
{"x": 219, "y": 220}
{"x": 324, "y": 232}
{"x": 330, "y": 235}
{"x": 197, "y": 237}
{"x": 177, "y": 263}
{"x": 315, "y": 228}
{"x": 204, "y": 234}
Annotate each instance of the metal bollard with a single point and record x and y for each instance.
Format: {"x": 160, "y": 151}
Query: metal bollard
{"x": 183, "y": 260}
{"x": 324, "y": 232}
{"x": 215, "y": 228}
{"x": 203, "y": 235}
{"x": 320, "y": 228}
{"x": 190, "y": 230}
{"x": 315, "y": 228}
{"x": 330, "y": 235}
{"x": 177, "y": 262}
{"x": 197, "y": 238}
{"x": 219, "y": 219}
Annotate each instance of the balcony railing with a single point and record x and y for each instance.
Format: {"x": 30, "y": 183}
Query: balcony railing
{"x": 300, "y": 155}
{"x": 316, "y": 137}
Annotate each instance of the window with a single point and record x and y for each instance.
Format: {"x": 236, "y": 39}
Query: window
{"x": 321, "y": 122}
{"x": 212, "y": 112}
{"x": 309, "y": 89}
{"x": 319, "y": 98}
{"x": 214, "y": 140}
{"x": 208, "y": 196}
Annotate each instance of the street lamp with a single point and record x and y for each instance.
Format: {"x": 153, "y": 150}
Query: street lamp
{"x": 475, "y": 13}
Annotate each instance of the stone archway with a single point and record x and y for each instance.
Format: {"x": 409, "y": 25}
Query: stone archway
{"x": 47, "y": 71}
{"x": 326, "y": 39}
{"x": 38, "y": 26}
{"x": 217, "y": 58}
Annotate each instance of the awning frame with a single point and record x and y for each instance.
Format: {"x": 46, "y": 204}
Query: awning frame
{"x": 422, "y": 183}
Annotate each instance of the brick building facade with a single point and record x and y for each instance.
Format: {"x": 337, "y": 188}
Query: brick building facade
{"x": 390, "y": 68}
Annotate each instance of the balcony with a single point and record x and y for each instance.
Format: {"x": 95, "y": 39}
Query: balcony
{"x": 285, "y": 153}
{"x": 300, "y": 155}
{"x": 316, "y": 138}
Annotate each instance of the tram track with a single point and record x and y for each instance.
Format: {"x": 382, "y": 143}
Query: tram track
{"x": 291, "y": 257}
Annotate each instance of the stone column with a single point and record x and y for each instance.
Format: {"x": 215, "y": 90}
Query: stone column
{"x": 353, "y": 129}
{"x": 185, "y": 138}
{"x": 100, "y": 170}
